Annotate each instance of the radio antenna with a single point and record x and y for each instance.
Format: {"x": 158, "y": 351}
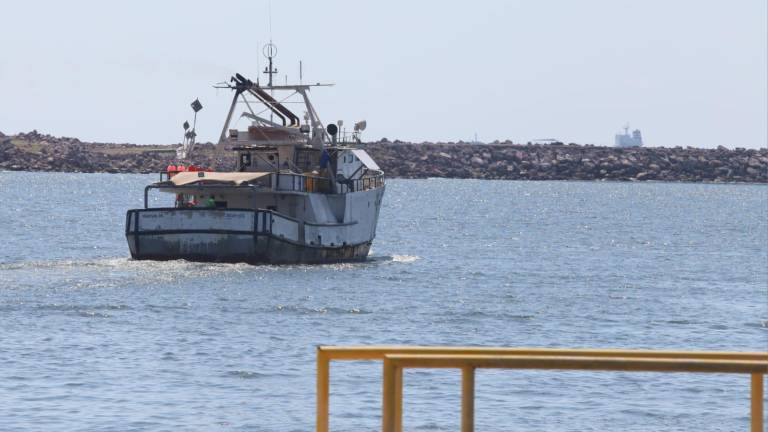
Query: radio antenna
{"x": 258, "y": 65}
{"x": 270, "y": 50}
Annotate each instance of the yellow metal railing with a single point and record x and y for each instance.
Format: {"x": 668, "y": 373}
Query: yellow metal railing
{"x": 468, "y": 359}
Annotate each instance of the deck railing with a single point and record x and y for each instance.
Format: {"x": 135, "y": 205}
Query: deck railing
{"x": 468, "y": 359}
{"x": 301, "y": 183}
{"x": 362, "y": 184}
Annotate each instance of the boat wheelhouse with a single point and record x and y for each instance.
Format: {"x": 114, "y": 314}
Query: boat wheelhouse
{"x": 299, "y": 192}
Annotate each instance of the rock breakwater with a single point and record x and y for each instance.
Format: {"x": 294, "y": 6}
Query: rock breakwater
{"x": 39, "y": 152}
{"x": 34, "y": 151}
{"x": 571, "y": 162}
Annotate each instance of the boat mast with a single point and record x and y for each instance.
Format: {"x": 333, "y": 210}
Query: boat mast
{"x": 270, "y": 52}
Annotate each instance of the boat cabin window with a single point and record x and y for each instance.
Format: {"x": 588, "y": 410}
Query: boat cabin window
{"x": 349, "y": 158}
{"x": 258, "y": 160}
{"x": 306, "y": 158}
{"x": 245, "y": 159}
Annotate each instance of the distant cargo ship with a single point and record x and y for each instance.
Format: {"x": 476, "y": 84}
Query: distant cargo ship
{"x": 627, "y": 140}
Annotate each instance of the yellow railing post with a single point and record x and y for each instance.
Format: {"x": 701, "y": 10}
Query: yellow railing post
{"x": 756, "y": 412}
{"x": 388, "y": 396}
{"x": 467, "y": 399}
{"x": 399, "y": 400}
{"x": 323, "y": 390}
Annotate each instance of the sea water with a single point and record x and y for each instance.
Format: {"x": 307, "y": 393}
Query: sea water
{"x": 93, "y": 341}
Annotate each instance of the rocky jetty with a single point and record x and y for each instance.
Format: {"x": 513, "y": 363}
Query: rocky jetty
{"x": 39, "y": 152}
{"x": 570, "y": 162}
{"x": 501, "y": 160}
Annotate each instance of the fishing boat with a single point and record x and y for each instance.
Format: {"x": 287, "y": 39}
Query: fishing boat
{"x": 300, "y": 192}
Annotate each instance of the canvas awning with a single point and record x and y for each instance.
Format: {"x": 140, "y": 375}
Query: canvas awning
{"x": 223, "y": 178}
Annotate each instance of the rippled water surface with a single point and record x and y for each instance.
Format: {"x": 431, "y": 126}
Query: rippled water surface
{"x": 93, "y": 341}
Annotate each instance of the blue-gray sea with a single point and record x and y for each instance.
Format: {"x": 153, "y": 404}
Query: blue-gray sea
{"x": 93, "y": 341}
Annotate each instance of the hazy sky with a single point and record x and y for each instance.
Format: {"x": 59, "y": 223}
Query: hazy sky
{"x": 684, "y": 72}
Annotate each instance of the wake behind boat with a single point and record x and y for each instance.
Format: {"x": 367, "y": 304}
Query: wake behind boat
{"x": 301, "y": 192}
